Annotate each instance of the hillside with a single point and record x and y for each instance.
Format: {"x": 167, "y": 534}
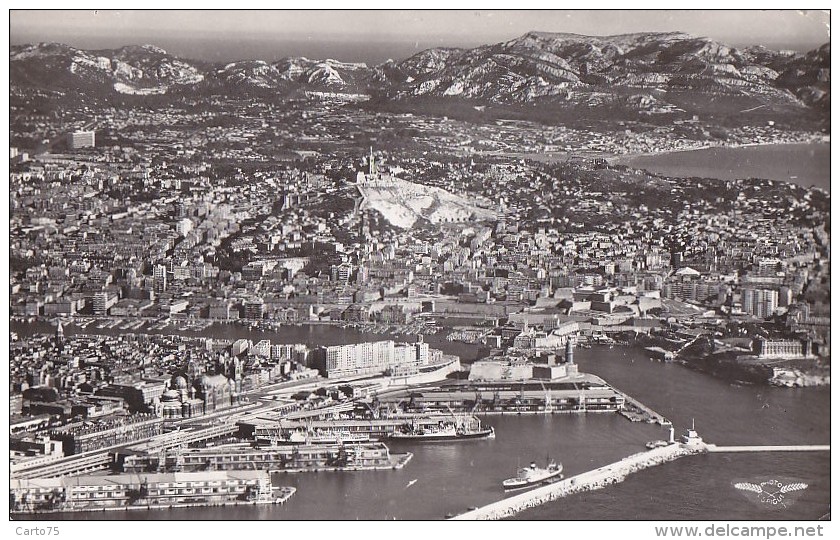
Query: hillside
{"x": 404, "y": 204}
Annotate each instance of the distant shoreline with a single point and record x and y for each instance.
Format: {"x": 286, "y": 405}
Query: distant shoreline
{"x": 805, "y": 164}
{"x": 621, "y": 157}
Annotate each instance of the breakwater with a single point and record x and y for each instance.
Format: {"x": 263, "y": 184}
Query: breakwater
{"x": 766, "y": 448}
{"x": 595, "y": 479}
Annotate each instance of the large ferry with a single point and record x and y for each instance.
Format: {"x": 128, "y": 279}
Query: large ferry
{"x": 315, "y": 437}
{"x": 529, "y": 476}
{"x": 327, "y": 437}
{"x": 443, "y": 432}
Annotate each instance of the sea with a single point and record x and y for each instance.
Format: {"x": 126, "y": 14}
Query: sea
{"x": 449, "y": 478}
{"x": 804, "y": 164}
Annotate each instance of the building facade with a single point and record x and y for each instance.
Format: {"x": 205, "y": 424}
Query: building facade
{"x": 781, "y": 348}
{"x": 760, "y": 302}
{"x": 81, "y": 139}
{"x": 126, "y": 490}
{"x": 354, "y": 359}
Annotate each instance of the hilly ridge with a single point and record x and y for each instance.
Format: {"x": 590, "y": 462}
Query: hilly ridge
{"x": 569, "y": 67}
{"x": 651, "y": 73}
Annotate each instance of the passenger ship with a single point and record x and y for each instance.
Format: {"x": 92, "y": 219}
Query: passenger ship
{"x": 532, "y": 475}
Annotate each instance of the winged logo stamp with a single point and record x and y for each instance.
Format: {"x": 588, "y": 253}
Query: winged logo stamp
{"x": 775, "y": 492}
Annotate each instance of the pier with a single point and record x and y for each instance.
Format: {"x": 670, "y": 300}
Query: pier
{"x": 636, "y": 411}
{"x": 374, "y": 428}
{"x": 789, "y": 448}
{"x": 275, "y": 458}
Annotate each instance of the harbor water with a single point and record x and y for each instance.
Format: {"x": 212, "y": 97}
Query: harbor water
{"x": 452, "y": 477}
{"x": 313, "y": 335}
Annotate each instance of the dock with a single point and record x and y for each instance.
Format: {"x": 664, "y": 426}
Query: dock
{"x": 636, "y": 411}
{"x": 144, "y": 491}
{"x": 363, "y": 456}
{"x": 788, "y": 448}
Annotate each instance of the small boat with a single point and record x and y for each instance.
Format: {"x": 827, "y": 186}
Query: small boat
{"x": 411, "y": 483}
{"x": 532, "y": 475}
{"x": 656, "y": 444}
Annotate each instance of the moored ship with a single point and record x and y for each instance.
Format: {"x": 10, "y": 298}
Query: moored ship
{"x": 443, "y": 432}
{"x": 532, "y": 475}
{"x": 325, "y": 437}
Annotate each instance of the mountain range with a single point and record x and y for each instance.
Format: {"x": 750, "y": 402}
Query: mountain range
{"x": 649, "y": 72}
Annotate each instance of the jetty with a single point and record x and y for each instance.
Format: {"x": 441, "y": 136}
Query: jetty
{"x": 766, "y": 448}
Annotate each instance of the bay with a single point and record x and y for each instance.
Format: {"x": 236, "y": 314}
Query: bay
{"x": 804, "y": 164}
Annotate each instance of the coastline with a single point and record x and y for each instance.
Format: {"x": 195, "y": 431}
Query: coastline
{"x": 616, "y": 159}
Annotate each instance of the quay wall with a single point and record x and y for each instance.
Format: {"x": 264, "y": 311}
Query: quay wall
{"x": 651, "y": 414}
{"x": 285, "y": 494}
{"x": 595, "y": 479}
{"x": 543, "y": 412}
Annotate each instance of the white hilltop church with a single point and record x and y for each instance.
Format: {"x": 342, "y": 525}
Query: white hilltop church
{"x": 373, "y": 178}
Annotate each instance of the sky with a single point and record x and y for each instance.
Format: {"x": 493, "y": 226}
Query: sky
{"x": 376, "y": 35}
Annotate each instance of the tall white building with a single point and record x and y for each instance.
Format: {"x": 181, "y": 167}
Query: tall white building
{"x": 372, "y": 358}
{"x": 102, "y": 302}
{"x": 355, "y": 359}
{"x": 160, "y": 278}
{"x": 184, "y": 226}
{"x": 261, "y": 348}
{"x": 240, "y": 346}
{"x": 81, "y": 139}
{"x": 760, "y": 302}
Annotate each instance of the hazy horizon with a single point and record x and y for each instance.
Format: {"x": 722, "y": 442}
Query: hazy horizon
{"x": 375, "y": 36}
